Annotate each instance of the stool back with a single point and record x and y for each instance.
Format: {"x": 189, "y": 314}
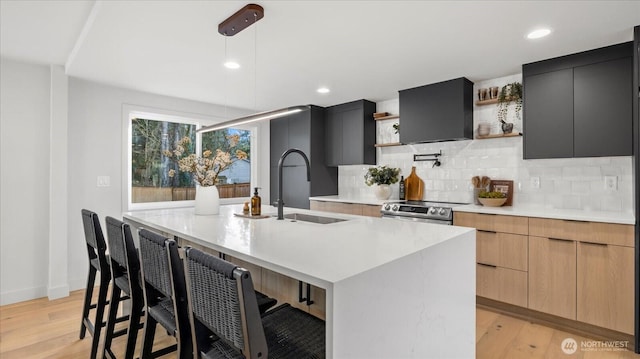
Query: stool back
{"x": 222, "y": 298}
{"x": 96, "y": 245}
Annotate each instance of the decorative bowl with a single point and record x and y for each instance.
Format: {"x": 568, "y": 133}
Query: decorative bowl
{"x": 492, "y": 202}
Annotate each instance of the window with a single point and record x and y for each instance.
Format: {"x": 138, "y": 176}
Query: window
{"x": 159, "y": 143}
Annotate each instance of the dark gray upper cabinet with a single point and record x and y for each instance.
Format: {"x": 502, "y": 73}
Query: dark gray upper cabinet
{"x": 351, "y": 134}
{"x": 602, "y": 109}
{"x": 579, "y": 105}
{"x": 437, "y": 112}
{"x": 305, "y": 131}
{"x": 549, "y": 98}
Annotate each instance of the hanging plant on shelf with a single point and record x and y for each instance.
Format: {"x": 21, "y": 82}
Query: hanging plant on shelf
{"x": 509, "y": 94}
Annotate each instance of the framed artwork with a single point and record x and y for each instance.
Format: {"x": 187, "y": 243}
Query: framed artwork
{"x": 505, "y": 187}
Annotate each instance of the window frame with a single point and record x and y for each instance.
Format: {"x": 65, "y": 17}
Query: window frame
{"x": 131, "y": 111}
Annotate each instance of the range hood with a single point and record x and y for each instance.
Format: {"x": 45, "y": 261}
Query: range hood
{"x": 437, "y": 112}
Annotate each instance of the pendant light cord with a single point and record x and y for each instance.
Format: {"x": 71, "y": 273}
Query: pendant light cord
{"x": 255, "y": 62}
{"x": 226, "y": 80}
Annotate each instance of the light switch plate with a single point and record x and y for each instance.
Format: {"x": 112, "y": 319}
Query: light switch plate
{"x": 104, "y": 181}
{"x": 611, "y": 183}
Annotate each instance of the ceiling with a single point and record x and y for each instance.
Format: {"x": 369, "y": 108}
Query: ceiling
{"x": 359, "y": 49}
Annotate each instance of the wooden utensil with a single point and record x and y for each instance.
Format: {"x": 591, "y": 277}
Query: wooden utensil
{"x": 476, "y": 181}
{"x": 484, "y": 182}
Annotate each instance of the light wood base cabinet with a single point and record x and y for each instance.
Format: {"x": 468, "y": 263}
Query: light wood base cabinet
{"x": 285, "y": 290}
{"x": 502, "y": 250}
{"x": 502, "y": 284}
{"x": 492, "y": 222}
{"x": 501, "y": 255}
{"x": 552, "y": 276}
{"x": 605, "y": 286}
{"x": 581, "y": 271}
{"x": 346, "y": 208}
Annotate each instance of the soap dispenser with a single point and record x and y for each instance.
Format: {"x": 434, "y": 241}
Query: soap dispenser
{"x": 256, "y": 202}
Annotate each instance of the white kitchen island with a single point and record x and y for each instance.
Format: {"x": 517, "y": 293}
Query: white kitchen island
{"x": 394, "y": 289}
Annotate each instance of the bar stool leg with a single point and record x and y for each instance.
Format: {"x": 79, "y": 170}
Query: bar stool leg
{"x": 149, "y": 335}
{"x": 87, "y": 300}
{"x": 111, "y": 320}
{"x": 132, "y": 331}
{"x": 97, "y": 324}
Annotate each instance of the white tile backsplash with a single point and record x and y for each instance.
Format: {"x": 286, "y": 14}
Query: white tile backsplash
{"x": 574, "y": 183}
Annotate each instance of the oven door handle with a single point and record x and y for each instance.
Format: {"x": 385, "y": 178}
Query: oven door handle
{"x": 417, "y": 219}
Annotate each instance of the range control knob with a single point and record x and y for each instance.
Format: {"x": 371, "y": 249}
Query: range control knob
{"x": 395, "y": 207}
{"x": 433, "y": 210}
{"x": 442, "y": 211}
{"x": 387, "y": 207}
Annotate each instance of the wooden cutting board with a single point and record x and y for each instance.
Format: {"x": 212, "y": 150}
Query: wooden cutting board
{"x": 413, "y": 187}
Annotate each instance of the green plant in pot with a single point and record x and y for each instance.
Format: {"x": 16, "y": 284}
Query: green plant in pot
{"x": 509, "y": 94}
{"x": 382, "y": 177}
{"x": 493, "y": 194}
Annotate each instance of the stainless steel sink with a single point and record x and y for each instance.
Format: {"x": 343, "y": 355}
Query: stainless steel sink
{"x": 312, "y": 218}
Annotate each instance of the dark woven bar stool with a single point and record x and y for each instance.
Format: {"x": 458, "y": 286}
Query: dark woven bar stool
{"x": 165, "y": 295}
{"x": 221, "y": 298}
{"x": 98, "y": 262}
{"x": 125, "y": 271}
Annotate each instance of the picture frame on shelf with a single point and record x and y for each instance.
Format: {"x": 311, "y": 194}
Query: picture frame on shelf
{"x": 503, "y": 186}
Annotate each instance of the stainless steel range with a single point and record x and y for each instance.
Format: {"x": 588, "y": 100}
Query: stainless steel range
{"x": 422, "y": 211}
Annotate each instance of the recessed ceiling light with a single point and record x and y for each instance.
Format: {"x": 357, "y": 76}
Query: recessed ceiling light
{"x": 232, "y": 65}
{"x": 536, "y": 34}
{"x": 323, "y": 90}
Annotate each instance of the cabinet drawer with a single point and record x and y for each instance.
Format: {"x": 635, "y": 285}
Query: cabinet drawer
{"x": 502, "y": 250}
{"x": 336, "y": 207}
{"x": 492, "y": 222}
{"x": 502, "y": 284}
{"x": 371, "y": 210}
{"x": 596, "y": 232}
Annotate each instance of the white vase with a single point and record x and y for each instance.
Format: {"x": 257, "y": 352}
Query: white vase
{"x": 207, "y": 200}
{"x": 382, "y": 191}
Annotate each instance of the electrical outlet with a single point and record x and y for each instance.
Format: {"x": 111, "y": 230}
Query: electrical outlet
{"x": 535, "y": 182}
{"x": 104, "y": 181}
{"x": 611, "y": 183}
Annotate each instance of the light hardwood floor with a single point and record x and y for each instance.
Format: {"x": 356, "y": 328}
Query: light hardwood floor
{"x": 49, "y": 329}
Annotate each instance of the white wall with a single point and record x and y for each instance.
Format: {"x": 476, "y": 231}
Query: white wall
{"x": 574, "y": 183}
{"x": 96, "y": 149}
{"x": 24, "y": 181}
{"x": 57, "y": 135}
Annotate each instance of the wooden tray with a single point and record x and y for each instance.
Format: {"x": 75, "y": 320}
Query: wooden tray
{"x": 252, "y": 217}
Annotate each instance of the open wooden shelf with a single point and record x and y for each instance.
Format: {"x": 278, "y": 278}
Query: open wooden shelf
{"x": 390, "y": 117}
{"x": 490, "y": 102}
{"x": 388, "y": 144}
{"x": 487, "y": 102}
{"x": 512, "y": 134}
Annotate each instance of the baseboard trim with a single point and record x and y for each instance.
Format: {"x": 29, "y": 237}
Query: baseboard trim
{"x": 552, "y": 321}
{"x": 21, "y": 295}
{"x": 58, "y": 292}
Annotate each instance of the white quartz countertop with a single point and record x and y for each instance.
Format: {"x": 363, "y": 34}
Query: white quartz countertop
{"x": 518, "y": 210}
{"x": 344, "y": 199}
{"x": 552, "y": 213}
{"x": 319, "y": 254}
